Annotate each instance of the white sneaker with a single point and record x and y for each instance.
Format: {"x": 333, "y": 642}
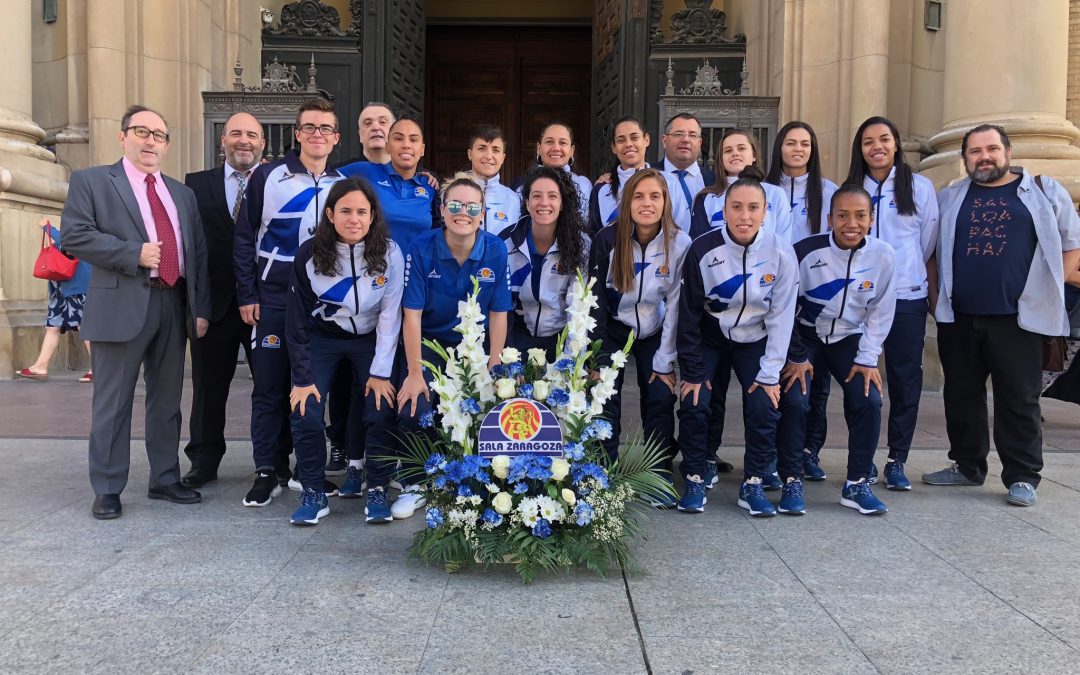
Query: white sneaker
{"x": 407, "y": 503}
{"x": 294, "y": 485}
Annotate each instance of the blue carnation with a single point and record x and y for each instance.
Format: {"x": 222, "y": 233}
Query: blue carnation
{"x": 464, "y": 491}
{"x": 564, "y": 365}
{"x": 434, "y": 463}
{"x": 574, "y": 451}
{"x": 427, "y": 420}
{"x": 558, "y": 397}
{"x": 441, "y": 480}
{"x": 469, "y": 406}
{"x": 584, "y": 513}
{"x": 434, "y": 517}
{"x": 520, "y": 488}
{"x": 490, "y": 516}
{"x": 598, "y": 429}
{"x": 539, "y": 468}
{"x": 542, "y": 529}
{"x": 525, "y": 391}
{"x": 585, "y": 470}
{"x": 499, "y": 370}
{"x": 516, "y": 369}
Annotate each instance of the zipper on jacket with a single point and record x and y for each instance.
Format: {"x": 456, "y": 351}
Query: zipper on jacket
{"x": 355, "y": 290}
{"x": 640, "y": 291}
{"x": 843, "y": 298}
{"x": 745, "y": 286}
{"x": 877, "y": 211}
{"x": 540, "y": 288}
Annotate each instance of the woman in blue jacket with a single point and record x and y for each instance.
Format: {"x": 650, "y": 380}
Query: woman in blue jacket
{"x": 546, "y": 250}
{"x": 736, "y": 313}
{"x": 344, "y": 305}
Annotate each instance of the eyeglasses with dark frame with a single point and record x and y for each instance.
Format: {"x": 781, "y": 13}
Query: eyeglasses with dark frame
{"x": 324, "y": 129}
{"x": 144, "y": 132}
{"x": 472, "y": 209}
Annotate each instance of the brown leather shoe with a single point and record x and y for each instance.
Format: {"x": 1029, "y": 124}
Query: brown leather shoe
{"x": 107, "y": 507}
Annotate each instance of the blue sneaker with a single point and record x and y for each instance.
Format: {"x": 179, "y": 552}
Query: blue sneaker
{"x": 791, "y": 501}
{"x": 812, "y": 466}
{"x": 711, "y": 476}
{"x": 353, "y": 487}
{"x": 313, "y": 506}
{"x": 772, "y": 482}
{"x": 858, "y": 496}
{"x": 872, "y": 479}
{"x": 665, "y": 500}
{"x": 377, "y": 509}
{"x": 693, "y": 499}
{"x": 752, "y": 498}
{"x": 895, "y": 478}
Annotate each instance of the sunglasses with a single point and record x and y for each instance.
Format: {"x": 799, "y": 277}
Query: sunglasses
{"x": 472, "y": 209}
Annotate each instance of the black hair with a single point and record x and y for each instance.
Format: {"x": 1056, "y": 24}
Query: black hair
{"x": 813, "y": 172}
{"x": 614, "y": 184}
{"x": 569, "y": 227}
{"x": 680, "y": 116}
{"x": 981, "y": 128}
{"x": 750, "y": 176}
{"x": 376, "y": 241}
{"x": 903, "y": 182}
{"x": 408, "y": 118}
{"x": 850, "y": 189}
{"x": 135, "y": 109}
{"x": 487, "y": 133}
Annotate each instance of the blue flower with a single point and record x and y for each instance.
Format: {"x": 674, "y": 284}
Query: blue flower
{"x": 434, "y": 463}
{"x": 558, "y": 397}
{"x": 581, "y": 472}
{"x": 427, "y": 420}
{"x": 584, "y": 512}
{"x": 434, "y": 517}
{"x": 499, "y": 370}
{"x": 525, "y": 391}
{"x": 542, "y": 529}
{"x": 469, "y": 406}
{"x": 516, "y": 369}
{"x": 441, "y": 480}
{"x": 464, "y": 491}
{"x": 490, "y": 516}
{"x": 574, "y": 451}
{"x": 598, "y": 429}
{"x": 539, "y": 468}
{"x": 565, "y": 365}
{"x": 520, "y": 488}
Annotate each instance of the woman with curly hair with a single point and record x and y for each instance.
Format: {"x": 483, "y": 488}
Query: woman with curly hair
{"x": 545, "y": 249}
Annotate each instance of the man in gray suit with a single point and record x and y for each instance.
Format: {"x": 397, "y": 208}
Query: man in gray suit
{"x": 149, "y": 290}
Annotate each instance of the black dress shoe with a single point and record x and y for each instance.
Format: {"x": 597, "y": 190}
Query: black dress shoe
{"x": 198, "y": 477}
{"x": 107, "y": 507}
{"x": 175, "y": 493}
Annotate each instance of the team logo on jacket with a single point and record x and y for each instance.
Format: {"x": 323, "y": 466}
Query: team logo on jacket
{"x": 500, "y": 215}
{"x": 271, "y": 342}
{"x": 767, "y": 279}
{"x": 555, "y": 268}
{"x": 662, "y": 272}
{"x": 866, "y": 286}
{"x": 485, "y": 276}
{"x": 421, "y": 191}
{"x": 379, "y": 281}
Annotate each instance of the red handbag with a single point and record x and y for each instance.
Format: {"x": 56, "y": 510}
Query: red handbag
{"x": 52, "y": 263}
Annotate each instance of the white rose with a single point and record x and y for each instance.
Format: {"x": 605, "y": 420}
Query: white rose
{"x": 500, "y": 466}
{"x": 505, "y": 388}
{"x": 510, "y": 355}
{"x": 568, "y": 496}
{"x": 538, "y": 357}
{"x": 502, "y": 503}
{"x": 541, "y": 390}
{"x": 559, "y": 469}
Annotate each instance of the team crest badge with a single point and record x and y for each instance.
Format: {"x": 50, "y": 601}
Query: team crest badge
{"x": 662, "y": 272}
{"x": 379, "y": 281}
{"x": 767, "y": 279}
{"x": 485, "y": 276}
{"x": 500, "y": 215}
{"x": 271, "y": 342}
{"x": 421, "y": 191}
{"x": 866, "y": 286}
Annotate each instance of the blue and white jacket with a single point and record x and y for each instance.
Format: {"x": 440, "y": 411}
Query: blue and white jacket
{"x": 795, "y": 189}
{"x": 844, "y": 293}
{"x": 281, "y": 209}
{"x": 539, "y": 295}
{"x": 354, "y": 302}
{"x": 502, "y": 206}
{"x": 651, "y": 304}
{"x": 604, "y": 204}
{"x": 743, "y": 293}
{"x": 913, "y": 237}
{"x": 708, "y": 212}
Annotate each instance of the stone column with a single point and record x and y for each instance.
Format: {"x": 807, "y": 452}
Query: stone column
{"x": 1006, "y": 62}
{"x": 32, "y": 185}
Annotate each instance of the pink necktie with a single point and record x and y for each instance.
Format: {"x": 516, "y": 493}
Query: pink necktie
{"x": 169, "y": 268}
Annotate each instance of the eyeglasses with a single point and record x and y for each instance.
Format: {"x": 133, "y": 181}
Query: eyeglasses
{"x": 679, "y": 135}
{"x": 324, "y": 129}
{"x": 472, "y": 209}
{"x": 143, "y": 132}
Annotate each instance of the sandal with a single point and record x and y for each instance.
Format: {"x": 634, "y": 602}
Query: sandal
{"x": 31, "y": 375}
{"x": 89, "y": 377}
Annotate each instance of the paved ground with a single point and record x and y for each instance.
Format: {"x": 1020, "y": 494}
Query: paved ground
{"x": 951, "y": 580}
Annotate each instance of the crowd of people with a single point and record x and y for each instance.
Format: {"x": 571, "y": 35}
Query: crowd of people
{"x": 332, "y": 278}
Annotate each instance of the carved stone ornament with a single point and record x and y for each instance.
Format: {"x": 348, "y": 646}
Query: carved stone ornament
{"x": 706, "y": 83}
{"x": 308, "y": 18}
{"x": 700, "y": 24}
{"x": 356, "y": 10}
{"x": 656, "y": 13}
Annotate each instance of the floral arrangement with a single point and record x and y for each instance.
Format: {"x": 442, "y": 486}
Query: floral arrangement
{"x": 535, "y": 510}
